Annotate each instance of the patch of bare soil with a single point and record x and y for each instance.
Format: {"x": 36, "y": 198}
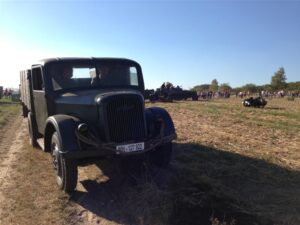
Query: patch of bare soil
{"x": 121, "y": 191}
{"x": 7, "y": 154}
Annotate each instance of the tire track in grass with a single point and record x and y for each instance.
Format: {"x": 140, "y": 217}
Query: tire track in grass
{"x": 9, "y": 143}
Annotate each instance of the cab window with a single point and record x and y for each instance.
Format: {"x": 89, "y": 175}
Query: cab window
{"x": 37, "y": 79}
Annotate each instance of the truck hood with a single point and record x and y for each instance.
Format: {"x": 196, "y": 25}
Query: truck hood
{"x": 90, "y": 97}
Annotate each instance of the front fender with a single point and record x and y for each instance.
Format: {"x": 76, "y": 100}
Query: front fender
{"x": 65, "y": 127}
{"x": 159, "y": 122}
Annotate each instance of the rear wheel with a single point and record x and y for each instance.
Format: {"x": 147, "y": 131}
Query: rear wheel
{"x": 65, "y": 169}
{"x": 32, "y": 129}
{"x": 24, "y": 110}
{"x": 162, "y": 155}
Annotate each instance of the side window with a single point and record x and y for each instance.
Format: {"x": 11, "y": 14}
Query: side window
{"x": 37, "y": 80}
{"x": 133, "y": 77}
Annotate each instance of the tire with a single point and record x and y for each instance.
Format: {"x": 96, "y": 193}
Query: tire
{"x": 65, "y": 169}
{"x": 24, "y": 110}
{"x": 162, "y": 155}
{"x": 33, "y": 132}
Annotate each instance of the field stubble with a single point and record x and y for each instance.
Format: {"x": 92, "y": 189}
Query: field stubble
{"x": 248, "y": 157}
{"x": 231, "y": 165}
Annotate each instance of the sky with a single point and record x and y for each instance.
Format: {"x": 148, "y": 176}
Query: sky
{"x": 185, "y": 42}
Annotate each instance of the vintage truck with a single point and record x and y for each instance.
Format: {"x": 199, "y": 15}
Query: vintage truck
{"x": 86, "y": 109}
{"x": 170, "y": 94}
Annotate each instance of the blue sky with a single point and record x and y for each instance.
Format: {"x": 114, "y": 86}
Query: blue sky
{"x": 185, "y": 42}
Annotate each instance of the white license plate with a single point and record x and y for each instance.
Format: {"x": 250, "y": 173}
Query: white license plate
{"x": 131, "y": 147}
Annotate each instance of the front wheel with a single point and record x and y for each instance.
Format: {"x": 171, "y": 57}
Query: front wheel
{"x": 162, "y": 155}
{"x": 65, "y": 169}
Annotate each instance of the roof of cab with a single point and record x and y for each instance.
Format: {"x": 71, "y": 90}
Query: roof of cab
{"x": 83, "y": 59}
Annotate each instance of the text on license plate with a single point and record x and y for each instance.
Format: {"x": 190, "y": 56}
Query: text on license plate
{"x": 131, "y": 147}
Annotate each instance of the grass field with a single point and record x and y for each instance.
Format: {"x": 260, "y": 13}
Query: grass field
{"x": 232, "y": 165}
{"x": 235, "y": 163}
{"x": 29, "y": 195}
{"x": 7, "y": 110}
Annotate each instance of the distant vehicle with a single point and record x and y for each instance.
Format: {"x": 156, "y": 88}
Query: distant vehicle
{"x": 170, "y": 93}
{"x": 148, "y": 92}
{"x": 86, "y": 109}
{"x": 254, "y": 102}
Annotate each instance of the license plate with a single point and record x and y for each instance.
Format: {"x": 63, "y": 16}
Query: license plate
{"x": 131, "y": 147}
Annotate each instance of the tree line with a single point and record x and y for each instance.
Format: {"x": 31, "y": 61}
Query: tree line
{"x": 278, "y": 83}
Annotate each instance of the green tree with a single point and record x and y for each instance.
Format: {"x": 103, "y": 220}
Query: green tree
{"x": 293, "y": 86}
{"x": 250, "y": 87}
{"x": 278, "y": 79}
{"x": 202, "y": 87}
{"x": 225, "y": 87}
{"x": 214, "y": 86}
{"x": 266, "y": 87}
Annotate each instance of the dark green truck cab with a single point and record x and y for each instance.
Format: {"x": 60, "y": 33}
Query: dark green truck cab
{"x": 81, "y": 109}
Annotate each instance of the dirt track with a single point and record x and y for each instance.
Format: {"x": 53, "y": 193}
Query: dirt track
{"x": 26, "y": 198}
{"x": 10, "y": 145}
{"x": 13, "y": 147}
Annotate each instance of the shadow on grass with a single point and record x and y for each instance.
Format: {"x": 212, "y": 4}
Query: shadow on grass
{"x": 274, "y": 108}
{"x": 201, "y": 184}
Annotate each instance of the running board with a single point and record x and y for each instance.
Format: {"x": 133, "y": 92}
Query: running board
{"x": 40, "y": 142}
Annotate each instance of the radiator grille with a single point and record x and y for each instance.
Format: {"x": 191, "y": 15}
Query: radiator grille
{"x": 125, "y": 118}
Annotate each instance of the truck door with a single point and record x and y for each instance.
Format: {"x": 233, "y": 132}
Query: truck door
{"x": 39, "y": 98}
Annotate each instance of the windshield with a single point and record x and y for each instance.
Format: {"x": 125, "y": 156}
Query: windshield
{"x": 67, "y": 76}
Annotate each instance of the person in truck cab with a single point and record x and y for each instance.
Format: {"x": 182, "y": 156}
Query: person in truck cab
{"x": 66, "y": 79}
{"x": 62, "y": 77}
{"x": 67, "y": 73}
{"x": 104, "y": 74}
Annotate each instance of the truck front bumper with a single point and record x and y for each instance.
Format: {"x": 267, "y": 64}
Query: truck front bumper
{"x": 102, "y": 150}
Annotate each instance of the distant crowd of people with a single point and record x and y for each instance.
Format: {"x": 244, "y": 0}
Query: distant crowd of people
{"x": 280, "y": 94}
{"x": 244, "y": 94}
{"x": 6, "y": 93}
{"x": 269, "y": 94}
{"x": 213, "y": 94}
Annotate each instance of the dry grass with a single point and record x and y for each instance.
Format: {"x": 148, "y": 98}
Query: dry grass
{"x": 31, "y": 195}
{"x": 232, "y": 165}
{"x": 271, "y": 133}
{"x": 28, "y": 191}
{"x": 7, "y": 111}
{"x": 238, "y": 161}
